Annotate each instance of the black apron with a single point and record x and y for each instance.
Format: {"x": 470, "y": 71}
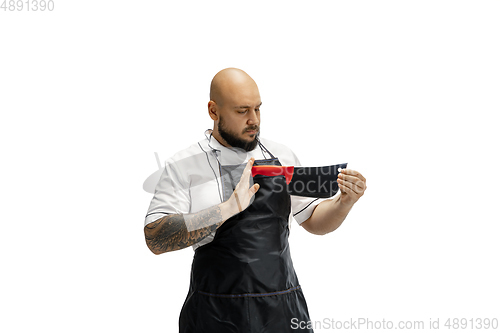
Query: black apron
{"x": 244, "y": 280}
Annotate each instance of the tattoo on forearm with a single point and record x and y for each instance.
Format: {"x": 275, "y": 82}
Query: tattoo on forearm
{"x": 172, "y": 233}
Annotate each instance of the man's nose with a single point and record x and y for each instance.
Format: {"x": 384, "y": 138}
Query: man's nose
{"x": 253, "y": 118}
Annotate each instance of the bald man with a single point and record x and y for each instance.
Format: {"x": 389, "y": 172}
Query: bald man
{"x": 242, "y": 276}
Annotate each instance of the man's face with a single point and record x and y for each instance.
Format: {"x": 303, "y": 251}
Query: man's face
{"x": 239, "y": 122}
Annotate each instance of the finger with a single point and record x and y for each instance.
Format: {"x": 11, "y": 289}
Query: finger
{"x": 249, "y": 165}
{"x": 254, "y": 189}
{"x": 354, "y": 180}
{"x": 353, "y": 173}
{"x": 353, "y": 187}
{"x": 347, "y": 190}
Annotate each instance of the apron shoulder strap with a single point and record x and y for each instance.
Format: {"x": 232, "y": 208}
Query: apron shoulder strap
{"x": 263, "y": 148}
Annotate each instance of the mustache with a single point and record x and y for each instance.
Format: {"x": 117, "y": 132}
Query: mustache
{"x": 251, "y": 128}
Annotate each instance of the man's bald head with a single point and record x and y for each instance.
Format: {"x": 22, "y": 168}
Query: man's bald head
{"x": 234, "y": 107}
{"x": 227, "y": 81}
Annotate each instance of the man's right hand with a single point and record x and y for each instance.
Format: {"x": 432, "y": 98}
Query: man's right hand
{"x": 243, "y": 193}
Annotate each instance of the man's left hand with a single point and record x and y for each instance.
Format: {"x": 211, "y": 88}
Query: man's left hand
{"x": 352, "y": 186}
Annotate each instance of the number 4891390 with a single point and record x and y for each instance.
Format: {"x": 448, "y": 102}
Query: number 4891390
{"x": 27, "y": 5}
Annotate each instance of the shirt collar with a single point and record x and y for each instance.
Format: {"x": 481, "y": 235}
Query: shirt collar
{"x": 213, "y": 142}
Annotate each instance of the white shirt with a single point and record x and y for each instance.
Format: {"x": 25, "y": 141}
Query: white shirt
{"x": 191, "y": 180}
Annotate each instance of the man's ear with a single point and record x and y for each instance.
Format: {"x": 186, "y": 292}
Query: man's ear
{"x": 213, "y": 111}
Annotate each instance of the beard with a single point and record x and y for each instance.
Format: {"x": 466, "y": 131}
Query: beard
{"x": 233, "y": 140}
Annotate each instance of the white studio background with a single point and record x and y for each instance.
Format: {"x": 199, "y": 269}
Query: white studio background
{"x": 405, "y": 91}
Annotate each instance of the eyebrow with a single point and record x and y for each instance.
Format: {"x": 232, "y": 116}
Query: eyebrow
{"x": 246, "y": 106}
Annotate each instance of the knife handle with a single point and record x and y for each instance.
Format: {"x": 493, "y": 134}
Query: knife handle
{"x": 274, "y": 170}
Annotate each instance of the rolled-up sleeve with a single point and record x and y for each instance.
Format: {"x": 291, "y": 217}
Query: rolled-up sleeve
{"x": 302, "y": 207}
{"x": 171, "y": 194}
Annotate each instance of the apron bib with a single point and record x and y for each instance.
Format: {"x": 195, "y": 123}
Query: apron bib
{"x": 244, "y": 280}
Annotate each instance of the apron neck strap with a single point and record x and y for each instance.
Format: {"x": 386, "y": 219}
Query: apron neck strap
{"x": 265, "y": 149}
